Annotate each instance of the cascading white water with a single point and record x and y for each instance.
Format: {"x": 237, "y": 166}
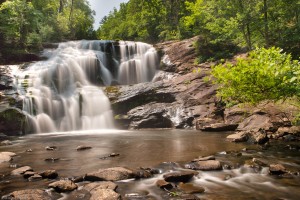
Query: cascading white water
{"x": 138, "y": 62}
{"x": 60, "y": 94}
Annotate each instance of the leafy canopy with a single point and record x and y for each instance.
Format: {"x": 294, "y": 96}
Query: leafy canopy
{"x": 267, "y": 74}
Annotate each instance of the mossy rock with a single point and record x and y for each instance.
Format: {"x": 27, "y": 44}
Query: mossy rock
{"x": 12, "y": 121}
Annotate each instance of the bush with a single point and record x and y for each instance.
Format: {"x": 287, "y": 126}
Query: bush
{"x": 267, "y": 74}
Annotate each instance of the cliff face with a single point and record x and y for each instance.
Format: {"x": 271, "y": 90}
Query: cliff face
{"x": 180, "y": 96}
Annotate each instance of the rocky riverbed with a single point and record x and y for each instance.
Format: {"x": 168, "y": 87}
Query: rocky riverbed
{"x": 158, "y": 165}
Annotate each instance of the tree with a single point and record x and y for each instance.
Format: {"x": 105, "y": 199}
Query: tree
{"x": 267, "y": 74}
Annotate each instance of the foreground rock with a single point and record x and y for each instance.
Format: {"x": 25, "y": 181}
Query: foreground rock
{"x": 190, "y": 188}
{"x": 110, "y": 174}
{"x": 277, "y": 169}
{"x": 252, "y": 136}
{"x": 162, "y": 184}
{"x": 50, "y": 174}
{"x": 63, "y": 186}
{"x": 30, "y": 194}
{"x": 181, "y": 176}
{"x": 102, "y": 190}
{"x": 207, "y": 165}
{"x": 21, "y": 170}
{"x": 6, "y": 156}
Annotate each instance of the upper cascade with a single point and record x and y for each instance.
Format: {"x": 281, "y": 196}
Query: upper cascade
{"x": 61, "y": 93}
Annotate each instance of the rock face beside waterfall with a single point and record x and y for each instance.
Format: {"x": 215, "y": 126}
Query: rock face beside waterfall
{"x": 181, "y": 97}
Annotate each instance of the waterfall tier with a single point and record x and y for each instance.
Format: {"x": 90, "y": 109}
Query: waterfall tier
{"x": 62, "y": 93}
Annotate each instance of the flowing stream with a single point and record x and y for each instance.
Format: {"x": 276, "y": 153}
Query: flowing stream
{"x": 62, "y": 93}
{"x": 166, "y": 150}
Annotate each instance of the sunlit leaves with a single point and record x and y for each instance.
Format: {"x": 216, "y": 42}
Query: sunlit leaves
{"x": 266, "y": 74}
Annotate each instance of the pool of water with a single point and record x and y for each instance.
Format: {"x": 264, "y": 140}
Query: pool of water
{"x": 167, "y": 150}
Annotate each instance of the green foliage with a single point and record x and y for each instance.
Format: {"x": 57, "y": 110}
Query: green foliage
{"x": 267, "y": 74}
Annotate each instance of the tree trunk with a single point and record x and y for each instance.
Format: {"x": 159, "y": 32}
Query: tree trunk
{"x": 266, "y": 23}
{"x": 61, "y": 6}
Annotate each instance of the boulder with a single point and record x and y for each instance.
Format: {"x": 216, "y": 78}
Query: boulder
{"x": 255, "y": 122}
{"x": 207, "y": 165}
{"x": 180, "y": 176}
{"x": 219, "y": 127}
{"x": 189, "y": 188}
{"x": 238, "y": 137}
{"x": 29, "y": 174}
{"x": 277, "y": 169}
{"x": 21, "y": 170}
{"x": 6, "y": 156}
{"x": 35, "y": 177}
{"x": 30, "y": 194}
{"x": 162, "y": 184}
{"x": 50, "y": 174}
{"x": 63, "y": 186}
{"x": 105, "y": 194}
{"x": 13, "y": 122}
{"x": 110, "y": 174}
{"x": 100, "y": 185}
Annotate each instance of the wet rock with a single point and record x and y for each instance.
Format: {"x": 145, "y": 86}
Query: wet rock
{"x": 49, "y": 174}
{"x": 21, "y": 170}
{"x": 30, "y": 194}
{"x": 6, "y": 156}
{"x": 190, "y": 188}
{"x": 260, "y": 162}
{"x": 35, "y": 177}
{"x": 105, "y": 194}
{"x": 52, "y": 159}
{"x": 143, "y": 173}
{"x": 149, "y": 116}
{"x": 238, "y": 137}
{"x": 50, "y": 148}
{"x": 219, "y": 127}
{"x": 100, "y": 185}
{"x": 180, "y": 176}
{"x": 82, "y": 148}
{"x": 208, "y": 165}
{"x": 162, "y": 184}
{"x": 63, "y": 186}
{"x": 28, "y": 174}
{"x": 110, "y": 174}
{"x": 13, "y": 122}
{"x": 277, "y": 169}
{"x": 5, "y": 143}
{"x": 110, "y": 156}
{"x": 204, "y": 158}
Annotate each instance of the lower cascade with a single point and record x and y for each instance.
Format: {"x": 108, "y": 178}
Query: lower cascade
{"x": 63, "y": 94}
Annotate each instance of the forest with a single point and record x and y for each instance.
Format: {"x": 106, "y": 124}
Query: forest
{"x": 27, "y": 24}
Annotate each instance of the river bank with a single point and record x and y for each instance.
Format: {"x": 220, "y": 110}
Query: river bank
{"x": 150, "y": 156}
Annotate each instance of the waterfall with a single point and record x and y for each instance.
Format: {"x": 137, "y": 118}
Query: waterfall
{"x": 63, "y": 93}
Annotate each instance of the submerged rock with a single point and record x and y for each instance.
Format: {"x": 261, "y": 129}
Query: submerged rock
{"x": 190, "y": 188}
{"x": 50, "y": 174}
{"x": 35, "y": 177}
{"x": 207, "y": 165}
{"x": 110, "y": 174}
{"x": 83, "y": 147}
{"x": 30, "y": 194}
{"x": 63, "y": 186}
{"x": 5, "y": 143}
{"x": 180, "y": 176}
